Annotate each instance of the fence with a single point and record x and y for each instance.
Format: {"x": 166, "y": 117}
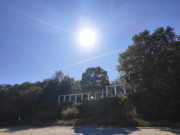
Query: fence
{"x": 111, "y": 91}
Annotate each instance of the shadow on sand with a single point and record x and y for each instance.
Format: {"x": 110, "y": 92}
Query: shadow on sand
{"x": 19, "y": 128}
{"x": 103, "y": 130}
{"x": 93, "y": 130}
{"x": 172, "y": 130}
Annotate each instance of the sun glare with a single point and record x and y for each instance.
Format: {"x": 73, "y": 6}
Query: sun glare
{"x": 87, "y": 37}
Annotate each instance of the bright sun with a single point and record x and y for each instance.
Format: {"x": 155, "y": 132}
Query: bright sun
{"x": 87, "y": 37}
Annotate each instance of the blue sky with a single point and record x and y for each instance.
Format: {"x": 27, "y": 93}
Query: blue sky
{"x": 38, "y": 37}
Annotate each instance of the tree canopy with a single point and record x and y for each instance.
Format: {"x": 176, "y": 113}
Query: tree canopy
{"x": 94, "y": 78}
{"x": 152, "y": 65}
{"x": 153, "y": 61}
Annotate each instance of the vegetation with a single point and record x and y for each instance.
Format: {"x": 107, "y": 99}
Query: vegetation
{"x": 94, "y": 79}
{"x": 151, "y": 65}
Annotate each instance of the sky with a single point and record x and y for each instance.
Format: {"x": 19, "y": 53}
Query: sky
{"x": 39, "y": 37}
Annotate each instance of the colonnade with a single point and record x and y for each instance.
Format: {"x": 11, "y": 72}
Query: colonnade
{"x": 115, "y": 89}
{"x": 65, "y": 97}
{"x": 76, "y": 97}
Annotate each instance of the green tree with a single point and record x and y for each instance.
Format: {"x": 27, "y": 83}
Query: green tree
{"x": 66, "y": 85}
{"x": 151, "y": 64}
{"x": 18, "y": 100}
{"x": 94, "y": 78}
{"x": 54, "y": 87}
{"x": 58, "y": 76}
{"x": 77, "y": 86}
{"x": 152, "y": 60}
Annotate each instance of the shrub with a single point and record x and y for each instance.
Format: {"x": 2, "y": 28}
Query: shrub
{"x": 108, "y": 111}
{"x": 45, "y": 116}
{"x": 70, "y": 112}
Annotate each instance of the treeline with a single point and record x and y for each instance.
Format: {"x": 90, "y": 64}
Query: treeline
{"x": 151, "y": 65}
{"x": 38, "y": 101}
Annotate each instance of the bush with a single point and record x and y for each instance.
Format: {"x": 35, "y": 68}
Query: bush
{"x": 70, "y": 112}
{"x": 108, "y": 111}
{"x": 155, "y": 106}
{"x": 45, "y": 116}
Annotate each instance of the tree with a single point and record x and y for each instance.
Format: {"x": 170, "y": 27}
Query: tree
{"x": 77, "y": 86}
{"x": 18, "y": 100}
{"x": 152, "y": 60}
{"x": 58, "y": 76}
{"x": 66, "y": 85}
{"x": 152, "y": 65}
{"x": 94, "y": 78}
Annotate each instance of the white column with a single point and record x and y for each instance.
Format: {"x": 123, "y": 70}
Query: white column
{"x": 81, "y": 96}
{"x": 75, "y": 97}
{"x": 115, "y": 90}
{"x": 134, "y": 90}
{"x": 64, "y": 98}
{"x": 102, "y": 94}
{"x": 124, "y": 89}
{"x": 88, "y": 96}
{"x": 69, "y": 97}
{"x": 95, "y": 95}
{"x": 59, "y": 99}
{"x": 106, "y": 91}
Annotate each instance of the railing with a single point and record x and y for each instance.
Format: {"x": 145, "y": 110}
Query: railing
{"x": 112, "y": 92}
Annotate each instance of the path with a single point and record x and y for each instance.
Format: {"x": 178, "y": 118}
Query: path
{"x": 75, "y": 130}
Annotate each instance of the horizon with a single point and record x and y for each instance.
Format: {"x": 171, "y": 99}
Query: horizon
{"x": 39, "y": 38}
